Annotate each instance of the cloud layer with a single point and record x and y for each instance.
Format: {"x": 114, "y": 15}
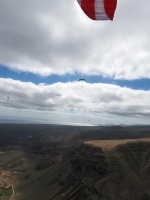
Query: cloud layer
{"x": 76, "y": 101}
{"x": 55, "y": 37}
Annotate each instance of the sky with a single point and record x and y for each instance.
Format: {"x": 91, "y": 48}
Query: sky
{"x": 47, "y": 46}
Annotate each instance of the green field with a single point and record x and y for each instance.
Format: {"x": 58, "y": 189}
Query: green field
{"x": 5, "y": 193}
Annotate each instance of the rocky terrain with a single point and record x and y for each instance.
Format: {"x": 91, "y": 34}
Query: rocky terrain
{"x": 58, "y": 163}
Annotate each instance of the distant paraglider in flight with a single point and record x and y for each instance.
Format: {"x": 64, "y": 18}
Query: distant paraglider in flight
{"x": 99, "y": 9}
{"x": 58, "y": 95}
{"x": 7, "y": 98}
{"x": 82, "y": 79}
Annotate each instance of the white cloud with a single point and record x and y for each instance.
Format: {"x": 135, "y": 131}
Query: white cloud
{"x": 79, "y": 102}
{"x": 55, "y": 37}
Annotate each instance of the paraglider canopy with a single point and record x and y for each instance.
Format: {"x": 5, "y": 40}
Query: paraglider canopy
{"x": 82, "y": 79}
{"x": 99, "y": 9}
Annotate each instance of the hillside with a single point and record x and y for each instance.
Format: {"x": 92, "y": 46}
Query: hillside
{"x": 88, "y": 173}
{"x": 51, "y": 162}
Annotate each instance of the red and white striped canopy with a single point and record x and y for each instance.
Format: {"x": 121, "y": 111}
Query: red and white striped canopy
{"x": 99, "y": 9}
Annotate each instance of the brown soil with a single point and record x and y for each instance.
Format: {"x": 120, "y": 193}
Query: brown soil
{"x": 109, "y": 144}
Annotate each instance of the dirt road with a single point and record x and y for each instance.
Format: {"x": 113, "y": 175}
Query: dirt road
{"x": 13, "y": 195}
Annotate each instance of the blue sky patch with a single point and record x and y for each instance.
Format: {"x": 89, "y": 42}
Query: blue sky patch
{"x": 138, "y": 84}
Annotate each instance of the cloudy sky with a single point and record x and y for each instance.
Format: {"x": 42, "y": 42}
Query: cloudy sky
{"x": 47, "y": 46}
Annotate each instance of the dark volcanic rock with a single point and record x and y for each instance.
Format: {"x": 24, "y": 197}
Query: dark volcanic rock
{"x": 85, "y": 166}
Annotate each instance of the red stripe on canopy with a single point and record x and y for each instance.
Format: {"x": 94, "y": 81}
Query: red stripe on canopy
{"x": 88, "y": 7}
{"x": 110, "y": 7}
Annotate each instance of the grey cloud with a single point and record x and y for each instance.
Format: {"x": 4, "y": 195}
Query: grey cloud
{"x": 55, "y": 37}
{"x": 103, "y": 99}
